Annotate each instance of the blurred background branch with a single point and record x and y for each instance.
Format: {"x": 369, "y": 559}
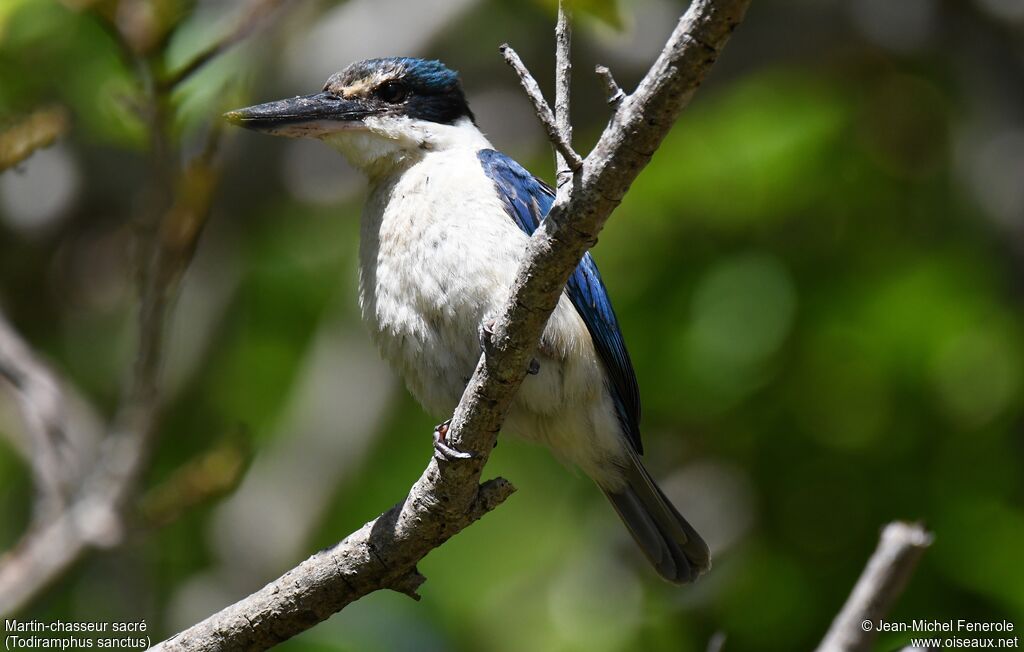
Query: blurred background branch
{"x": 55, "y": 449}
{"x": 39, "y": 129}
{"x": 174, "y": 205}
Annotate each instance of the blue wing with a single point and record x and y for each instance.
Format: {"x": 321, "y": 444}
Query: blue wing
{"x": 527, "y": 200}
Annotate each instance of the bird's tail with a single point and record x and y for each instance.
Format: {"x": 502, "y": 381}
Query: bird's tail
{"x": 674, "y": 548}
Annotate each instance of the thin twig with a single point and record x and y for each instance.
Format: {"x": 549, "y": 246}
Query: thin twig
{"x": 95, "y": 517}
{"x": 384, "y": 553}
{"x": 563, "y": 82}
{"x": 883, "y": 580}
{"x": 540, "y": 105}
{"x": 614, "y": 92}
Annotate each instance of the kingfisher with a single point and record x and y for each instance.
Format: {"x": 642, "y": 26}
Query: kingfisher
{"x": 442, "y": 234}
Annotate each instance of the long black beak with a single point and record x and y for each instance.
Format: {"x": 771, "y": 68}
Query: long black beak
{"x": 310, "y": 116}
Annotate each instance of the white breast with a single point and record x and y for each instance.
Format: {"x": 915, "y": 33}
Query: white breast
{"x": 437, "y": 256}
{"x": 433, "y": 261}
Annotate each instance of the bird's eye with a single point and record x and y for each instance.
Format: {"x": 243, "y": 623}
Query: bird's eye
{"x": 392, "y": 92}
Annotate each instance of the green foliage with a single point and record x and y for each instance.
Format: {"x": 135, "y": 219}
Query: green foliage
{"x": 606, "y": 12}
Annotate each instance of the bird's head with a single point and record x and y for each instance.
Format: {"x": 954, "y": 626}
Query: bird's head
{"x": 377, "y": 112}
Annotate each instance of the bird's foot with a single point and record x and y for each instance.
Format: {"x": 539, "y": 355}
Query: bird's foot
{"x": 441, "y": 447}
{"x": 486, "y": 335}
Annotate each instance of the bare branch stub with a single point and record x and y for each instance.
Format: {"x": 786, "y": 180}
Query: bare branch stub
{"x": 883, "y": 580}
{"x": 540, "y": 105}
{"x": 614, "y": 92}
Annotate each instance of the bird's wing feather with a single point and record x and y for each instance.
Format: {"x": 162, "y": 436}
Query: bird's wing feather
{"x": 527, "y": 200}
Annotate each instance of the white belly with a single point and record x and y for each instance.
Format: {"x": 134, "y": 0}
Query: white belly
{"x": 437, "y": 256}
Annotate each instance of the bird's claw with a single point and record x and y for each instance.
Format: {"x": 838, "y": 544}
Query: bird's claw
{"x": 441, "y": 447}
{"x": 486, "y": 333}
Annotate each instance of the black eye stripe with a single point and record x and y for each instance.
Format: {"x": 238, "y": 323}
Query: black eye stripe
{"x": 401, "y": 93}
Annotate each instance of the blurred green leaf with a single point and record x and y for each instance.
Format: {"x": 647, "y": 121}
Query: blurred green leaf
{"x": 607, "y": 12}
{"x": 750, "y": 155}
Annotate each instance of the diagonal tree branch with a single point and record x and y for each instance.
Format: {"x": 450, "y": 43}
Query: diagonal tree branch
{"x": 448, "y": 496}
{"x": 883, "y": 580}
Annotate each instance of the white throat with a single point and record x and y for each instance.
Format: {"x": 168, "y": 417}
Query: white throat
{"x": 387, "y": 144}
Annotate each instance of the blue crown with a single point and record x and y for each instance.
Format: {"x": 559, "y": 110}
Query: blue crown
{"x": 425, "y": 75}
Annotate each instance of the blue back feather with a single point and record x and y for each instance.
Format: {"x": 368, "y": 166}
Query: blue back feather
{"x": 527, "y": 200}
